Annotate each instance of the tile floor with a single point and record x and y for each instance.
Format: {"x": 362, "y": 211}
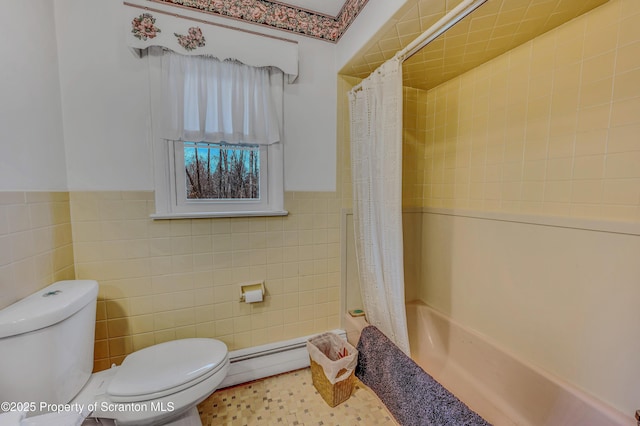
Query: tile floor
{"x": 290, "y": 399}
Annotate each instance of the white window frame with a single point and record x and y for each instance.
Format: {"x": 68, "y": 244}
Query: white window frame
{"x": 171, "y": 202}
{"x": 186, "y": 204}
{"x": 167, "y": 180}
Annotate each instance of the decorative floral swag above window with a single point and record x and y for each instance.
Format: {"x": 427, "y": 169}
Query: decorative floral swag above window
{"x": 144, "y": 27}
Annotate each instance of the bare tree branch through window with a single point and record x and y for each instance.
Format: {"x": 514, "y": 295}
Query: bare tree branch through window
{"x": 222, "y": 171}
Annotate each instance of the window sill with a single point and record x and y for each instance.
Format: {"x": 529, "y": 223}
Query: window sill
{"x": 205, "y": 215}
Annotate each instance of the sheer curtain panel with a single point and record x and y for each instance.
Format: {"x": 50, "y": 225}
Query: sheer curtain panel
{"x": 376, "y": 164}
{"x": 207, "y": 100}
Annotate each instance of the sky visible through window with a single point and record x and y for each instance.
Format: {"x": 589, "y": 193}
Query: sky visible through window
{"x": 219, "y": 171}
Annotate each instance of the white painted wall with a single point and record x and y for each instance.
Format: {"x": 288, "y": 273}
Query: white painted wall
{"x": 31, "y": 136}
{"x": 105, "y": 104}
{"x": 91, "y": 96}
{"x": 105, "y": 99}
{"x": 310, "y": 119}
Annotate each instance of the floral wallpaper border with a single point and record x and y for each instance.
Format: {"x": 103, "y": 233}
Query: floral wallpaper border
{"x": 280, "y": 16}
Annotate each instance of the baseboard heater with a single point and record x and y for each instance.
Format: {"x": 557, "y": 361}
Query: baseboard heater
{"x": 268, "y": 360}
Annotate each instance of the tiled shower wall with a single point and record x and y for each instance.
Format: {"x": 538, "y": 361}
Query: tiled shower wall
{"x": 168, "y": 279}
{"x": 414, "y": 135}
{"x": 35, "y": 242}
{"x": 549, "y": 128}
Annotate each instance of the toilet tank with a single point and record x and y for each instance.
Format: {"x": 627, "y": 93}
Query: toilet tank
{"x": 46, "y": 343}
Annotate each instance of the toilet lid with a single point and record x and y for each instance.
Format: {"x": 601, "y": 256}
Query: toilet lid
{"x": 153, "y": 371}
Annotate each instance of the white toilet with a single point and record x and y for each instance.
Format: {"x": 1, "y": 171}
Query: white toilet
{"x": 46, "y": 353}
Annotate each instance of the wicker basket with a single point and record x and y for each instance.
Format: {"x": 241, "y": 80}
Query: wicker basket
{"x": 333, "y": 394}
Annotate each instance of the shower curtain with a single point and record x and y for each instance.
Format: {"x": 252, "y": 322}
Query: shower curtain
{"x": 376, "y": 167}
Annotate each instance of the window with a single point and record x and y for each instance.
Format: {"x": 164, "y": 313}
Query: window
{"x": 219, "y": 150}
{"x": 220, "y": 180}
{"x": 218, "y": 171}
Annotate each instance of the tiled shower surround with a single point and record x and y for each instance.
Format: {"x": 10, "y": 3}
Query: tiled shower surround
{"x": 168, "y": 279}
{"x": 549, "y": 128}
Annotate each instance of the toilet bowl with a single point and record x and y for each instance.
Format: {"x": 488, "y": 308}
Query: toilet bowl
{"x": 150, "y": 387}
{"x": 47, "y": 361}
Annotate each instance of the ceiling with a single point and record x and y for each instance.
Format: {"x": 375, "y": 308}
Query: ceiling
{"x": 493, "y": 29}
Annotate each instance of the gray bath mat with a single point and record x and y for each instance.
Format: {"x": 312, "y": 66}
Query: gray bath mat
{"x": 410, "y": 394}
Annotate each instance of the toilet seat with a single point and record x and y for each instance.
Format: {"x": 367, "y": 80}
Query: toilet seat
{"x": 166, "y": 368}
{"x": 151, "y": 401}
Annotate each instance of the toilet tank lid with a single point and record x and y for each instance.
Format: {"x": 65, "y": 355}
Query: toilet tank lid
{"x": 46, "y": 307}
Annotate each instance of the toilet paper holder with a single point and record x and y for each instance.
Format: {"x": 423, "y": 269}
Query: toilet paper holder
{"x": 251, "y": 287}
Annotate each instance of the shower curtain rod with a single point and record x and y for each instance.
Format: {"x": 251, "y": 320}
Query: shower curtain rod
{"x": 442, "y": 25}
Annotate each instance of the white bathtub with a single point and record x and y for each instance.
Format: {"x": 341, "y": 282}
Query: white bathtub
{"x": 498, "y": 386}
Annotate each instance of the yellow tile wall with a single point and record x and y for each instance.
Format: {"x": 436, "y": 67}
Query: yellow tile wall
{"x": 413, "y": 146}
{"x": 549, "y": 128}
{"x": 35, "y": 243}
{"x": 169, "y": 279}
{"x": 414, "y": 134}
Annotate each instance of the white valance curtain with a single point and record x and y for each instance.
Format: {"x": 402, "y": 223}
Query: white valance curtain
{"x": 149, "y": 26}
{"x": 376, "y": 164}
{"x": 208, "y": 100}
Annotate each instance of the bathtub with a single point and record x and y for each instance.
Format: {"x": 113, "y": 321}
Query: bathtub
{"x": 498, "y": 386}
